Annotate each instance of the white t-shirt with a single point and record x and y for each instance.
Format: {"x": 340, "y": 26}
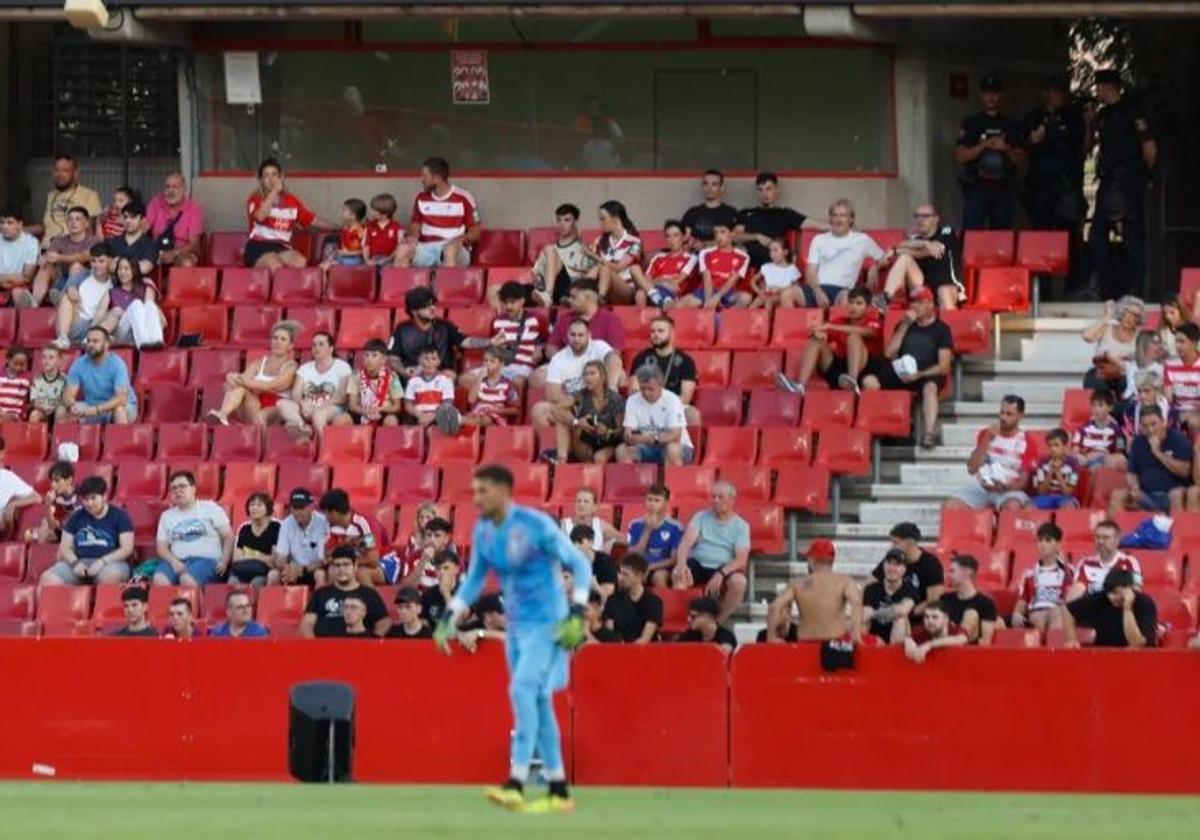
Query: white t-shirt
{"x": 566, "y": 368}
{"x": 839, "y": 258}
{"x": 320, "y": 387}
{"x": 11, "y": 486}
{"x": 663, "y": 414}
{"x": 91, "y": 291}
{"x": 16, "y": 254}
{"x": 427, "y": 394}
{"x": 195, "y": 532}
{"x": 779, "y": 276}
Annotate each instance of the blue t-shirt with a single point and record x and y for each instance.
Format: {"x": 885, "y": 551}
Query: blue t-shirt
{"x": 96, "y": 537}
{"x": 99, "y": 382}
{"x": 1152, "y": 476}
{"x": 718, "y": 542}
{"x": 662, "y": 542}
{"x": 253, "y": 630}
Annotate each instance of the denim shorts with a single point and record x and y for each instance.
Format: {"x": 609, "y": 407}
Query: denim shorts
{"x": 655, "y": 453}
{"x": 201, "y": 569}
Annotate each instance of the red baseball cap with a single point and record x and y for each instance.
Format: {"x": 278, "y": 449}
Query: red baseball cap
{"x": 921, "y": 293}
{"x": 821, "y": 549}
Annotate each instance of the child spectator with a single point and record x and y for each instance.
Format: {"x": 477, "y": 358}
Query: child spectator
{"x": 349, "y": 249}
{"x": 428, "y": 390}
{"x": 656, "y": 536}
{"x": 255, "y": 543}
{"x": 1149, "y": 386}
{"x": 671, "y": 272}
{"x": 374, "y": 394}
{"x": 418, "y": 561}
{"x": 724, "y": 269}
{"x": 383, "y": 234}
{"x": 61, "y": 502}
{"x": 494, "y": 399}
{"x": 1056, "y": 477}
{"x": 15, "y": 386}
{"x": 45, "y": 393}
{"x": 1101, "y": 441}
{"x": 435, "y": 599}
{"x": 604, "y": 570}
{"x": 1044, "y": 587}
{"x": 585, "y": 513}
{"x": 112, "y": 223}
{"x": 775, "y": 284}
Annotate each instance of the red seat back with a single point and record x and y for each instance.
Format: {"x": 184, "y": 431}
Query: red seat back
{"x": 240, "y": 286}
{"x": 499, "y": 247}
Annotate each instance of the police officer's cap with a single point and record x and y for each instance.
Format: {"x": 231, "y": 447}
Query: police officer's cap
{"x": 1060, "y": 82}
{"x": 991, "y": 83}
{"x": 1108, "y": 77}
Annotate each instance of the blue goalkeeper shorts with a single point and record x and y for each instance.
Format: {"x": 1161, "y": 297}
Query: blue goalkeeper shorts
{"x": 536, "y": 657}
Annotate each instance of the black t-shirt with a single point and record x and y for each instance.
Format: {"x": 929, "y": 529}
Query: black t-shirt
{"x": 409, "y": 340}
{"x": 605, "y": 635}
{"x": 603, "y": 568}
{"x": 677, "y": 367}
{"x": 1097, "y": 612}
{"x": 876, "y": 596}
{"x": 148, "y": 631}
{"x": 921, "y": 575}
{"x": 924, "y": 342}
{"x": 145, "y": 247}
{"x": 433, "y": 605}
{"x": 629, "y": 617}
{"x": 774, "y": 222}
{"x": 991, "y": 168}
{"x": 263, "y": 543}
{"x": 946, "y": 270}
{"x": 343, "y": 633}
{"x": 700, "y": 220}
{"x": 957, "y": 607}
{"x": 1121, "y": 128}
{"x": 1060, "y": 154}
{"x": 724, "y": 636}
{"x": 397, "y": 631}
{"x": 326, "y": 605}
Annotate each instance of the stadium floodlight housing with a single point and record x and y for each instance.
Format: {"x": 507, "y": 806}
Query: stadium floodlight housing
{"x": 86, "y": 14}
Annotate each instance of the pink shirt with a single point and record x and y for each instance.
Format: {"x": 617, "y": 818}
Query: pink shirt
{"x": 191, "y": 218}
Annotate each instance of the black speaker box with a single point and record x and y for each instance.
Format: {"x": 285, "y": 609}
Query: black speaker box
{"x": 321, "y": 732}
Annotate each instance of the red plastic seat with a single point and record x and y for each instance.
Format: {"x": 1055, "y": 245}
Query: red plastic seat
{"x": 84, "y": 435}
{"x": 408, "y": 483}
{"x": 399, "y": 444}
{"x": 140, "y": 480}
{"x": 107, "y": 608}
{"x": 883, "y": 413}
{"x": 313, "y": 319}
{"x": 458, "y": 286}
{"x": 793, "y": 327}
{"x": 215, "y": 595}
{"x": 743, "y": 329}
{"x": 1076, "y": 408}
{"x": 804, "y": 488}
{"x": 182, "y": 441}
{"x": 187, "y": 286}
{"x": 242, "y": 479}
{"x": 245, "y": 286}
{"x": 129, "y": 442}
{"x": 770, "y": 409}
{"x": 83, "y": 470}
{"x": 358, "y": 326}
{"x": 296, "y": 286}
{"x": 472, "y": 320}
{"x": 162, "y": 596}
{"x": 1189, "y": 283}
{"x": 781, "y": 447}
{"x": 695, "y": 329}
{"x": 36, "y": 327}
{"x": 712, "y": 367}
{"x": 39, "y": 558}
{"x": 211, "y": 366}
{"x": 8, "y": 327}
{"x": 971, "y": 331}
{"x": 1077, "y": 527}
{"x": 688, "y": 483}
{"x": 251, "y": 326}
{"x": 1017, "y": 529}
{"x": 144, "y": 514}
{"x": 1003, "y": 289}
{"x": 164, "y": 366}
{"x": 497, "y": 276}
{"x": 345, "y": 443}
{"x": 280, "y": 447}
{"x": 236, "y": 443}
{"x": 508, "y": 445}
{"x": 17, "y": 600}
{"x": 719, "y": 406}
{"x": 1173, "y": 611}
{"x": 730, "y": 445}
{"x": 461, "y": 450}
{"x": 1044, "y": 251}
{"x": 531, "y": 482}
{"x": 350, "y": 284}
{"x": 225, "y": 247}
{"x": 1016, "y": 637}
{"x": 755, "y": 368}
{"x": 766, "y": 526}
{"x": 985, "y": 248}
{"x": 12, "y": 561}
{"x": 25, "y": 440}
{"x": 628, "y": 482}
{"x": 636, "y": 322}
{"x": 844, "y": 451}
{"x": 456, "y": 486}
{"x": 64, "y": 603}
{"x": 753, "y": 484}
{"x": 676, "y": 606}
{"x": 829, "y": 408}
{"x": 1161, "y": 569}
{"x": 395, "y": 283}
{"x": 964, "y": 526}
{"x": 210, "y": 322}
{"x": 295, "y": 474}
{"x": 499, "y": 247}
{"x": 280, "y": 606}
{"x": 569, "y": 479}
{"x": 537, "y": 238}
{"x": 362, "y": 482}
{"x": 207, "y": 474}
{"x": 1104, "y": 482}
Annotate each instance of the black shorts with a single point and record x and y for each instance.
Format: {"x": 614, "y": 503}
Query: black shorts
{"x": 594, "y": 443}
{"x": 245, "y": 571}
{"x": 837, "y": 368}
{"x": 701, "y": 575}
{"x": 935, "y": 273}
{"x": 255, "y": 249}
{"x": 882, "y": 370}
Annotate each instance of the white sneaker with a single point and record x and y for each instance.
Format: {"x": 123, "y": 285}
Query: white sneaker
{"x": 792, "y": 386}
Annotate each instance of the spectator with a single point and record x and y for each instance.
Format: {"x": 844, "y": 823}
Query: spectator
{"x": 1114, "y": 335}
{"x": 444, "y": 222}
{"x": 374, "y": 394}
{"x": 494, "y": 398}
{"x": 1182, "y": 379}
{"x": 424, "y": 329}
{"x": 725, "y": 271}
{"x": 66, "y": 258}
{"x": 703, "y": 625}
{"x": 841, "y": 348}
{"x": 195, "y": 541}
{"x": 656, "y": 535}
{"x": 585, "y": 512}
{"x": 66, "y": 193}
{"x": 602, "y": 324}
{"x": 604, "y": 570}
{"x": 1148, "y": 355}
{"x": 135, "y": 243}
{"x": 565, "y": 380}
{"x": 434, "y": 599}
{"x": 619, "y": 252}
{"x": 255, "y": 393}
{"x": 383, "y": 234}
{"x": 989, "y": 152}
{"x": 633, "y": 612}
{"x": 593, "y": 616}
{"x": 564, "y": 261}
{"x": 487, "y": 622}
{"x": 1090, "y": 572}
{"x": 176, "y": 222}
{"x": 46, "y": 391}
{"x": 273, "y": 215}
{"x": 323, "y": 615}
{"x": 300, "y": 549}
{"x": 757, "y": 226}
{"x": 84, "y": 307}
{"x": 135, "y": 601}
{"x": 410, "y": 625}
{"x": 61, "y": 500}
{"x": 517, "y": 332}
{"x": 677, "y": 367}
{"x": 699, "y": 221}
{"x": 671, "y": 272}
{"x": 347, "y": 249}
{"x": 775, "y": 284}
{"x": 930, "y": 257}
{"x": 348, "y": 527}
{"x": 1044, "y": 587}
{"x": 318, "y": 391}
{"x": 935, "y": 631}
{"x": 418, "y": 565}
{"x": 133, "y": 316}
{"x": 15, "y": 494}
{"x": 427, "y": 391}
{"x": 1120, "y": 615}
{"x": 1100, "y": 442}
{"x": 888, "y": 603}
{"x": 1174, "y": 315}
{"x": 655, "y": 424}
{"x": 1149, "y": 391}
{"x": 591, "y": 430}
{"x": 924, "y": 571}
{"x": 1160, "y": 470}
{"x": 917, "y": 358}
{"x": 15, "y": 385}
{"x": 836, "y": 257}
{"x": 1001, "y": 462}
{"x": 180, "y": 624}
{"x": 254, "y": 547}
{"x": 98, "y": 388}
{"x": 354, "y": 618}
{"x": 966, "y": 606}
{"x": 18, "y": 260}
{"x": 1055, "y": 480}
{"x": 822, "y": 600}
{"x": 97, "y": 541}
{"x": 715, "y": 551}
{"x": 239, "y": 622}
{"x": 111, "y": 223}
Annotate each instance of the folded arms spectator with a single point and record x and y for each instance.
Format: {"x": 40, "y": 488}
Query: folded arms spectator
{"x": 935, "y": 631}
{"x": 66, "y": 193}
{"x": 929, "y": 258}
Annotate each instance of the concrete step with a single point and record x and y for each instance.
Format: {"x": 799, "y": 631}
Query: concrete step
{"x": 899, "y": 504}
{"x": 1027, "y": 368}
{"x": 979, "y": 409}
{"x": 1072, "y": 350}
{"x": 863, "y": 530}
{"x": 925, "y": 495}
{"x": 851, "y": 560}
{"x": 907, "y": 454}
{"x": 947, "y": 474}
{"x": 1037, "y": 390}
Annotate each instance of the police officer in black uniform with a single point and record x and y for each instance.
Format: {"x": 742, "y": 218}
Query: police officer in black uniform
{"x": 1127, "y": 154}
{"x": 989, "y": 150}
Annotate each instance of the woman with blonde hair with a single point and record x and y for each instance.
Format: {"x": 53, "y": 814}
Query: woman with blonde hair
{"x": 255, "y": 392}
{"x": 1174, "y": 315}
{"x": 1115, "y": 336}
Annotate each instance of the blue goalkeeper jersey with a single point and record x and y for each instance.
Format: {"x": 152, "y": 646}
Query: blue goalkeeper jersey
{"x": 528, "y": 552}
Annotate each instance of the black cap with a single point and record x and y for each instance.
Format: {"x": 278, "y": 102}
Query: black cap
{"x": 991, "y": 83}
{"x": 894, "y": 555}
{"x": 408, "y": 595}
{"x": 1059, "y": 81}
{"x": 301, "y": 497}
{"x": 1108, "y": 77}
{"x": 705, "y": 605}
{"x": 491, "y": 603}
{"x": 906, "y": 531}
{"x": 419, "y": 298}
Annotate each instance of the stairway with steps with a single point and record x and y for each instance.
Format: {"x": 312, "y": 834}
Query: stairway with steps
{"x": 1039, "y": 359}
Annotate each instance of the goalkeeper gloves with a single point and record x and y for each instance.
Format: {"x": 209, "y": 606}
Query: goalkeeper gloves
{"x": 443, "y": 633}
{"x": 571, "y": 630}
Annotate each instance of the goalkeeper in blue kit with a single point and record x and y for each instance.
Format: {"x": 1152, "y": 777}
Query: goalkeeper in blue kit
{"x": 527, "y": 551}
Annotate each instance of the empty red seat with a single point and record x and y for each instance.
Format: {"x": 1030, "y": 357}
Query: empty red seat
{"x": 313, "y": 319}
{"x": 280, "y": 446}
{"x": 1104, "y": 482}
{"x": 1044, "y": 251}
{"x": 712, "y": 367}
{"x": 242, "y": 479}
{"x": 461, "y": 450}
{"x": 825, "y": 408}
{"x": 107, "y": 607}
{"x": 694, "y": 328}
{"x": 236, "y": 443}
{"x": 537, "y": 238}
{"x": 141, "y": 480}
{"x": 1018, "y": 637}
{"x": 636, "y": 322}
{"x": 210, "y": 323}
{"x": 84, "y": 435}
{"x": 883, "y": 413}
{"x": 753, "y": 484}
{"x": 358, "y": 326}
{"x": 225, "y": 247}
{"x": 8, "y": 327}
{"x": 456, "y": 486}
{"x": 17, "y": 600}
{"x": 251, "y": 326}
{"x": 766, "y": 526}
{"x": 844, "y": 451}
{"x": 781, "y": 447}
{"x": 345, "y": 443}
{"x": 458, "y": 286}
{"x": 36, "y": 327}
{"x": 12, "y": 561}
{"x": 1076, "y": 408}
{"x": 188, "y": 286}
{"x": 498, "y": 276}
{"x": 399, "y": 444}
{"x": 472, "y": 320}
{"x": 743, "y": 329}
{"x": 676, "y": 606}
{"x": 280, "y": 606}
{"x": 212, "y": 365}
{"x": 804, "y": 488}
{"x": 39, "y": 558}
{"x": 25, "y": 440}
{"x": 499, "y": 247}
{"x": 508, "y": 445}
{"x": 350, "y": 284}
{"x": 295, "y": 474}
{"x": 362, "y": 482}
{"x": 296, "y": 286}
{"x": 628, "y": 482}
{"x": 971, "y": 330}
{"x": 1077, "y": 526}
{"x": 730, "y": 445}
{"x": 1173, "y": 612}
{"x": 64, "y": 603}
{"x": 408, "y": 483}
{"x": 531, "y": 482}
{"x": 569, "y": 479}
{"x": 144, "y": 514}
{"x": 1189, "y": 283}
{"x": 1018, "y": 528}
{"x": 984, "y": 248}
{"x": 964, "y": 526}
{"x": 768, "y": 409}
{"x": 130, "y": 442}
{"x": 164, "y": 366}
{"x": 1003, "y": 289}
{"x": 719, "y": 406}
{"x": 241, "y": 286}
{"x": 182, "y": 441}
{"x": 688, "y": 483}
{"x": 793, "y": 327}
{"x": 1161, "y": 569}
{"x": 756, "y": 368}
{"x": 395, "y": 283}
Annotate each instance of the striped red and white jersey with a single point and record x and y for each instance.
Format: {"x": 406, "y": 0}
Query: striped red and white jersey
{"x": 14, "y": 394}
{"x": 491, "y": 396}
{"x": 428, "y": 394}
{"x": 1043, "y": 587}
{"x": 1091, "y": 571}
{"x": 282, "y": 219}
{"x": 364, "y": 533}
{"x": 524, "y": 336}
{"x": 445, "y": 217}
{"x": 614, "y": 250}
{"x": 1183, "y": 381}
{"x": 1092, "y": 439}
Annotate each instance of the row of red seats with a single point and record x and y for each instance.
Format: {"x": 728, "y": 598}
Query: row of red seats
{"x": 1176, "y": 638}
{"x": 1013, "y": 529}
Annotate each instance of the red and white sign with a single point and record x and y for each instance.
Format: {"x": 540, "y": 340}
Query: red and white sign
{"x": 469, "y": 84}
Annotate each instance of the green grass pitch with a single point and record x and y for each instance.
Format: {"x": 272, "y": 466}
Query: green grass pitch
{"x": 51, "y": 810}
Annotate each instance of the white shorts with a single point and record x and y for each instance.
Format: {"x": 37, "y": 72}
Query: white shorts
{"x": 429, "y": 255}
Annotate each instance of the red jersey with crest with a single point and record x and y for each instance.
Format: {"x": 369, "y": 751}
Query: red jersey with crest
{"x": 670, "y": 264}
{"x": 722, "y": 265}
{"x": 871, "y": 319}
{"x": 282, "y": 219}
{"x": 382, "y": 237}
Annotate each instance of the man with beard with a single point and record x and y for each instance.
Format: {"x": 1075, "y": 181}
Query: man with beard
{"x": 66, "y": 193}
{"x": 98, "y": 388}
{"x": 677, "y": 367}
{"x": 425, "y": 329}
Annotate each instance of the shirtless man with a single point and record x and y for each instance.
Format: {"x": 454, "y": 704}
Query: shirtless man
{"x": 821, "y": 598}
